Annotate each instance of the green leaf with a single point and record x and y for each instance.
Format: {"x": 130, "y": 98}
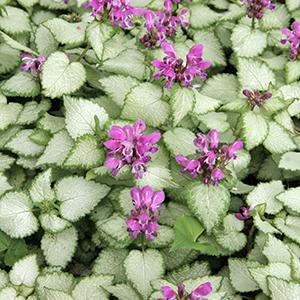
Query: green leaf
{"x": 5, "y": 242}
{"x": 45, "y": 41}
{"x": 248, "y": 42}
{"x": 202, "y": 16}
{"x": 60, "y": 76}
{"x": 5, "y": 162}
{"x": 254, "y": 129}
{"x": 9, "y": 58}
{"x": 16, "y": 217}
{"x": 14, "y": 21}
{"x": 208, "y": 203}
{"x": 282, "y": 289}
{"x": 22, "y": 84}
{"x": 130, "y": 62}
{"x": 80, "y": 116}
{"x": 180, "y": 141}
{"x": 22, "y": 145}
{"x": 204, "y": 104}
{"x": 255, "y": 75}
{"x": 290, "y": 161}
{"x": 17, "y": 249}
{"x": 40, "y": 137}
{"x": 150, "y": 268}
{"x": 265, "y": 193}
{"x": 144, "y": 102}
{"x": 278, "y": 133}
{"x": 59, "y": 248}
{"x": 182, "y": 101}
{"x": 25, "y": 271}
{"x": 78, "y": 196}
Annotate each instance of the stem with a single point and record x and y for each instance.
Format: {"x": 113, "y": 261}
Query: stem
{"x": 143, "y": 242}
{"x": 83, "y": 53}
{"x": 253, "y": 23}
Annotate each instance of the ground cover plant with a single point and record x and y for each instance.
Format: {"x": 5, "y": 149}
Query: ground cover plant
{"x": 149, "y": 149}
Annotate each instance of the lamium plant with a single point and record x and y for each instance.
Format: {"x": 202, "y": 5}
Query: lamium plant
{"x": 149, "y": 150}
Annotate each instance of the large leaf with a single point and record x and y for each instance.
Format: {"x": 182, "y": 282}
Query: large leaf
{"x": 290, "y": 161}
{"x": 282, "y": 289}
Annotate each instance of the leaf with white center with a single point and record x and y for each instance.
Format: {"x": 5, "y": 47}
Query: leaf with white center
{"x": 4, "y": 185}
{"x": 208, "y": 203}
{"x": 60, "y": 76}
{"x": 59, "y": 248}
{"x": 16, "y": 217}
{"x": 40, "y": 189}
{"x": 165, "y": 236}
{"x": 292, "y": 71}
{"x": 260, "y": 274}
{"x": 123, "y": 292}
{"x": 275, "y": 19}
{"x": 7, "y": 135}
{"x": 51, "y": 123}
{"x": 9, "y": 58}
{"x": 265, "y": 193}
{"x": 22, "y": 84}
{"x": 290, "y": 199}
{"x": 91, "y": 288}
{"x": 128, "y": 63}
{"x": 97, "y": 34}
{"x": 32, "y": 111}
{"x": 215, "y": 120}
{"x": 78, "y": 196}
{"x": 56, "y": 295}
{"x": 181, "y": 103}
{"x": 80, "y": 116}
{"x": 282, "y": 289}
{"x": 204, "y": 104}
{"x": 67, "y": 33}
{"x": 290, "y": 227}
{"x": 110, "y": 262}
{"x": 212, "y": 50}
{"x": 202, "y": 16}
{"x": 144, "y": 102}
{"x": 50, "y": 222}
{"x": 22, "y": 145}
{"x": 254, "y": 129}
{"x": 8, "y": 293}
{"x": 240, "y": 276}
{"x": 57, "y": 150}
{"x": 9, "y": 114}
{"x": 292, "y": 4}
{"x": 264, "y": 226}
{"x": 254, "y": 74}
{"x": 25, "y": 271}
{"x": 248, "y": 42}
{"x": 85, "y": 153}
{"x": 151, "y": 267}
{"x": 14, "y": 21}
{"x": 278, "y": 133}
{"x": 28, "y": 3}
{"x": 5, "y": 162}
{"x": 290, "y": 161}
{"x": 180, "y": 141}
{"x": 45, "y": 41}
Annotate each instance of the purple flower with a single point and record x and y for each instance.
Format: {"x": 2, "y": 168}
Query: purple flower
{"x": 244, "y": 213}
{"x": 256, "y": 97}
{"x": 197, "y": 294}
{"x": 256, "y": 8}
{"x": 143, "y": 218}
{"x": 32, "y": 64}
{"x": 120, "y": 12}
{"x": 172, "y": 69}
{"x": 293, "y": 37}
{"x": 129, "y": 146}
{"x": 213, "y": 157}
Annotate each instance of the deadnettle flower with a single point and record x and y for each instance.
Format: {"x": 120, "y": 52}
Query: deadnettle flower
{"x": 256, "y": 8}
{"x": 293, "y": 37}
{"x": 181, "y": 294}
{"x": 120, "y": 12}
{"x": 244, "y": 213}
{"x": 173, "y": 70}
{"x": 256, "y": 97}
{"x": 129, "y": 146}
{"x": 144, "y": 216}
{"x": 213, "y": 157}
{"x": 32, "y": 64}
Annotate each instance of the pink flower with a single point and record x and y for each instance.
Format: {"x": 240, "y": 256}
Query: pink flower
{"x": 197, "y": 294}
{"x": 129, "y": 146}
{"x": 256, "y": 97}
{"x": 143, "y": 218}
{"x": 213, "y": 157}
{"x": 293, "y": 37}
{"x": 172, "y": 69}
{"x": 256, "y": 8}
{"x": 244, "y": 213}
{"x": 32, "y": 64}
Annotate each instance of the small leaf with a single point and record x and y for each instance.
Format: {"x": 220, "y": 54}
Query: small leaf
{"x": 9, "y": 58}
{"x": 9, "y": 114}
{"x": 290, "y": 161}
{"x": 123, "y": 292}
{"x": 202, "y": 16}
{"x": 204, "y": 104}
{"x": 45, "y": 41}
{"x": 50, "y": 222}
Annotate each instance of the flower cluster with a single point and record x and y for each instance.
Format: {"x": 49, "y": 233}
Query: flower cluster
{"x": 213, "y": 159}
{"x": 244, "y": 213}
{"x": 293, "y": 37}
{"x": 129, "y": 146}
{"x": 161, "y": 25}
{"x": 32, "y": 64}
{"x": 144, "y": 216}
{"x": 197, "y": 294}
{"x": 173, "y": 70}
{"x": 256, "y": 8}
{"x": 256, "y": 97}
{"x": 119, "y": 12}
